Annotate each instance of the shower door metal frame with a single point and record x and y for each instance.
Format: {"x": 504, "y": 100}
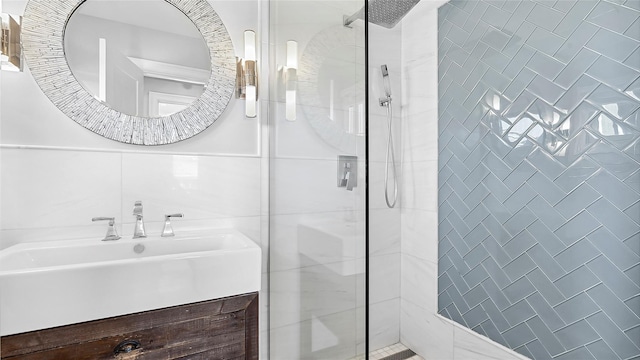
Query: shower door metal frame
{"x": 366, "y": 179}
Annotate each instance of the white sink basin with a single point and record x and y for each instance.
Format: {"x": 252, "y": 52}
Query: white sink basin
{"x": 56, "y": 283}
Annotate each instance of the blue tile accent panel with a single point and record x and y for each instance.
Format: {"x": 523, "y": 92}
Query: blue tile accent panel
{"x": 539, "y": 174}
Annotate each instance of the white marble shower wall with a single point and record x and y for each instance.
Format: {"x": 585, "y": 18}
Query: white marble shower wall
{"x": 55, "y": 175}
{"x": 421, "y": 329}
{"x": 384, "y": 223}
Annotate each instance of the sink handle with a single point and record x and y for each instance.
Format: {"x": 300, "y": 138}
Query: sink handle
{"x": 167, "y": 231}
{"x": 112, "y": 234}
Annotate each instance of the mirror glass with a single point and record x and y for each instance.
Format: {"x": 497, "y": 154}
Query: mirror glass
{"x": 143, "y": 58}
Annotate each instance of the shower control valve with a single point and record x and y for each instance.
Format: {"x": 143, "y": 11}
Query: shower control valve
{"x": 347, "y": 171}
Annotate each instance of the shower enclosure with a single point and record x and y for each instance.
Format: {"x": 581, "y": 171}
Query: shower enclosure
{"x": 317, "y": 200}
{"x": 516, "y": 132}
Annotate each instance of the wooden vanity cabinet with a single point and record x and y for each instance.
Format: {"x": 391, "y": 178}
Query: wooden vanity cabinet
{"x": 218, "y": 329}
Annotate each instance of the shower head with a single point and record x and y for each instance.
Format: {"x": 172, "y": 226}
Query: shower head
{"x": 385, "y": 81}
{"x": 385, "y": 13}
{"x": 388, "y": 13}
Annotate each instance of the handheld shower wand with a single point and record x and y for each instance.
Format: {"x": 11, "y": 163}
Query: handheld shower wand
{"x": 386, "y": 100}
{"x": 390, "y": 159}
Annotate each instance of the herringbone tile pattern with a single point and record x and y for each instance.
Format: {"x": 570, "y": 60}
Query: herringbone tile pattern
{"x": 539, "y": 174}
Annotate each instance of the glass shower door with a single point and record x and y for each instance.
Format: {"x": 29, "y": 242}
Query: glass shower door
{"x": 317, "y": 181}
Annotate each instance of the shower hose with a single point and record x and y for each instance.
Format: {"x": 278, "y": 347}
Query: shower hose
{"x": 391, "y": 203}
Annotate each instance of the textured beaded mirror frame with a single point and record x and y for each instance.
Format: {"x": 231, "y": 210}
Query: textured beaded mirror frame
{"x": 42, "y": 36}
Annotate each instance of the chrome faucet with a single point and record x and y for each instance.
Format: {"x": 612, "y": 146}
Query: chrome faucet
{"x": 112, "y": 234}
{"x": 346, "y": 180}
{"x": 167, "y": 230}
{"x": 138, "y": 231}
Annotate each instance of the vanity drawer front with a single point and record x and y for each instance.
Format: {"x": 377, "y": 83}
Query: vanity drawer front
{"x": 218, "y": 329}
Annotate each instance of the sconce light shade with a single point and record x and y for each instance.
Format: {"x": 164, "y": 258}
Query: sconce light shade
{"x": 291, "y": 78}
{"x": 251, "y": 103}
{"x": 247, "y": 75}
{"x": 292, "y": 54}
{"x": 250, "y": 45}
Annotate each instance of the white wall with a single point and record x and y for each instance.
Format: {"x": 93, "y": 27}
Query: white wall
{"x": 55, "y": 175}
{"x": 421, "y": 329}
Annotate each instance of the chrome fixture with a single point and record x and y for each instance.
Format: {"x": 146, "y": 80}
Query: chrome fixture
{"x": 138, "y": 231}
{"x": 247, "y": 75}
{"x": 347, "y": 171}
{"x": 387, "y": 86}
{"x": 10, "y": 48}
{"x": 385, "y": 13}
{"x": 390, "y": 158}
{"x": 167, "y": 230}
{"x": 112, "y": 234}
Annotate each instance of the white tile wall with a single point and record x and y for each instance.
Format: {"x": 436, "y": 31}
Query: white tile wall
{"x": 419, "y": 281}
{"x": 384, "y": 233}
{"x": 379, "y": 132}
{"x": 384, "y": 323}
{"x": 425, "y": 333}
{"x": 419, "y": 142}
{"x": 420, "y": 179}
{"x": 468, "y": 345}
{"x": 377, "y": 189}
{"x": 418, "y": 237}
{"x": 384, "y": 277}
{"x": 384, "y": 47}
{"x": 40, "y": 188}
{"x": 203, "y": 187}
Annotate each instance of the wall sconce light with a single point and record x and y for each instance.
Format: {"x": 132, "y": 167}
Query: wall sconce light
{"x": 247, "y": 75}
{"x": 10, "y": 50}
{"x": 291, "y": 79}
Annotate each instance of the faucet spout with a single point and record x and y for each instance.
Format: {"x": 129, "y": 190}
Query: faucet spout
{"x": 348, "y": 179}
{"x": 345, "y": 175}
{"x": 138, "y": 231}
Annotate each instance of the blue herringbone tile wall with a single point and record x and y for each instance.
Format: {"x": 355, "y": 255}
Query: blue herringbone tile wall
{"x": 539, "y": 174}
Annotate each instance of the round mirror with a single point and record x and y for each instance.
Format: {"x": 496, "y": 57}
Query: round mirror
{"x": 142, "y": 58}
{"x": 165, "y": 80}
